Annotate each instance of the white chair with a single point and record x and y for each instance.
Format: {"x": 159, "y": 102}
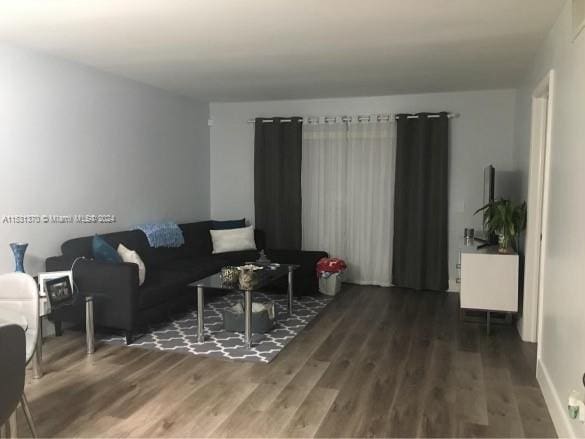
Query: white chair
{"x": 19, "y": 304}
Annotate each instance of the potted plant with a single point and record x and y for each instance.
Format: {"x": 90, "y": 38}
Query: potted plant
{"x": 505, "y": 220}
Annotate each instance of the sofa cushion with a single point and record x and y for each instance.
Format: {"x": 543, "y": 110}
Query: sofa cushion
{"x": 197, "y": 238}
{"x": 128, "y": 255}
{"x": 161, "y": 256}
{"x": 104, "y": 252}
{"x": 240, "y": 257}
{"x": 197, "y": 268}
{"x": 233, "y": 239}
{"x": 228, "y": 224}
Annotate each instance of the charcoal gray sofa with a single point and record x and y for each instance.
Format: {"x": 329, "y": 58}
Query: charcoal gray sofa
{"x": 121, "y": 304}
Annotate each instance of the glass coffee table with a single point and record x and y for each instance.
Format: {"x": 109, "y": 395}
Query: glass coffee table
{"x": 214, "y": 282}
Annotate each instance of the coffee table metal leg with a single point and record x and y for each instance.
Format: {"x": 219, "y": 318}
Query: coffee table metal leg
{"x": 248, "y": 316}
{"x": 37, "y": 359}
{"x": 200, "y": 304}
{"x": 89, "y": 325}
{"x": 290, "y": 291}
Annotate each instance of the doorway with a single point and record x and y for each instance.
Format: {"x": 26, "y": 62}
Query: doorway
{"x": 538, "y": 181}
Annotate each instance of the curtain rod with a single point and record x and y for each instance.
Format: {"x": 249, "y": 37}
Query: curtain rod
{"x": 378, "y": 117}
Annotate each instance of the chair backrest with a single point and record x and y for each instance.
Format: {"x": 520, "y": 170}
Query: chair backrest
{"x": 12, "y": 366}
{"x": 19, "y": 295}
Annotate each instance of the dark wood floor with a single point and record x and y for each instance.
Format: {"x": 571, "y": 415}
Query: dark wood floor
{"x": 377, "y": 362}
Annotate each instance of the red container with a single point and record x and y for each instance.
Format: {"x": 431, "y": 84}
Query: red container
{"x": 330, "y": 265}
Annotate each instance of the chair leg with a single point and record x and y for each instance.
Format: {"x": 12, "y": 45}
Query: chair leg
{"x": 129, "y": 337}
{"x": 28, "y": 415}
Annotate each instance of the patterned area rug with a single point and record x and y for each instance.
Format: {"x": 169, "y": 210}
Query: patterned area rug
{"x": 180, "y": 335}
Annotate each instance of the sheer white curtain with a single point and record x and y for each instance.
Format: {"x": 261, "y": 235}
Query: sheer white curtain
{"x": 348, "y": 192}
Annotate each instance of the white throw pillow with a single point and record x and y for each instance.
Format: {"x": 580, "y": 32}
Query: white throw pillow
{"x": 232, "y": 240}
{"x": 128, "y": 255}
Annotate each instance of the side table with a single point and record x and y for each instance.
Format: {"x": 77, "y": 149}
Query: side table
{"x": 45, "y": 310}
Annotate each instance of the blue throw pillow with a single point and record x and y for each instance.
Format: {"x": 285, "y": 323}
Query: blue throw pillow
{"x": 104, "y": 252}
{"x": 230, "y": 224}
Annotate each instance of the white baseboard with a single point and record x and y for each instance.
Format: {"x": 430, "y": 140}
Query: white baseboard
{"x": 556, "y": 407}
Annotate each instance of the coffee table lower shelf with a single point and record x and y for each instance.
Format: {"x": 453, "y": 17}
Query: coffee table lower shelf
{"x": 213, "y": 282}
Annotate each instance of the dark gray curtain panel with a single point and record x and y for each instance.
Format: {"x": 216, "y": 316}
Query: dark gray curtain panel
{"x": 277, "y": 181}
{"x": 421, "y": 203}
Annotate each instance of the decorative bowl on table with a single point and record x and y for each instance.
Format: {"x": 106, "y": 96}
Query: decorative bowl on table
{"x": 250, "y": 276}
{"x": 229, "y": 275}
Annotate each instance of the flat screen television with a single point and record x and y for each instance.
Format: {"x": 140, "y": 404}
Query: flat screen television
{"x": 489, "y": 176}
{"x": 489, "y": 185}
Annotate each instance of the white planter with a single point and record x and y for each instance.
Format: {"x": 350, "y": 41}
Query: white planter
{"x": 331, "y": 285}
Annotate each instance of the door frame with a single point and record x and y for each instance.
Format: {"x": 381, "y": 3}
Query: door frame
{"x": 530, "y": 324}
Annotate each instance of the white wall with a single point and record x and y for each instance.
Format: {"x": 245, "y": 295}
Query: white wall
{"x": 562, "y": 361}
{"x": 483, "y": 134}
{"x": 74, "y": 140}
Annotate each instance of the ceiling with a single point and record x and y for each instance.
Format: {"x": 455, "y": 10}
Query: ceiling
{"x": 235, "y": 50}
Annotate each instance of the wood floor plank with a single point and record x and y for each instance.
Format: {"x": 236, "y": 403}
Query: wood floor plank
{"x": 504, "y": 419}
{"x": 469, "y": 337}
{"x": 357, "y": 327}
{"x": 183, "y": 393}
{"x": 471, "y": 405}
{"x": 280, "y": 412}
{"x": 534, "y": 415}
{"x": 378, "y": 362}
{"x": 438, "y": 417}
{"x": 376, "y": 395}
{"x": 357, "y": 381}
{"x": 405, "y": 413}
{"x": 310, "y": 414}
{"x": 254, "y": 405}
{"x": 516, "y": 360}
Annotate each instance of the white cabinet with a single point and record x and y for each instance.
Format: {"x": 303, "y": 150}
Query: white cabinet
{"x": 489, "y": 279}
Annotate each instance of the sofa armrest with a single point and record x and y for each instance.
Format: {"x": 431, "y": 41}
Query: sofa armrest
{"x": 59, "y": 263}
{"x": 115, "y": 286}
{"x": 106, "y": 277}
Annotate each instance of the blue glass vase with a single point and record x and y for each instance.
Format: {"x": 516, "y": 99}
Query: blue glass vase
{"x": 19, "y": 248}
